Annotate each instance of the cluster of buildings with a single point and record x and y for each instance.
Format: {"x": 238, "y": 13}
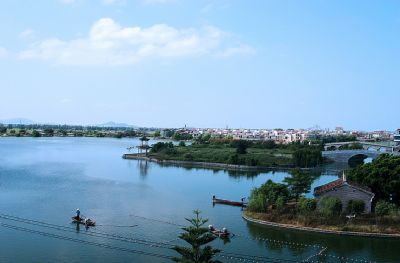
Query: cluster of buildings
{"x": 285, "y": 136}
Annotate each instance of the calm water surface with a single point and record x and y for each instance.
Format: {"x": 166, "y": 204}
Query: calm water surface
{"x": 46, "y": 179}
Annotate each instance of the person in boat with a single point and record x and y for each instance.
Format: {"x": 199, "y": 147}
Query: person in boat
{"x": 211, "y": 228}
{"x": 78, "y": 214}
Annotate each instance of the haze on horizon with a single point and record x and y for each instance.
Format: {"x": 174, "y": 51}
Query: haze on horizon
{"x": 207, "y": 63}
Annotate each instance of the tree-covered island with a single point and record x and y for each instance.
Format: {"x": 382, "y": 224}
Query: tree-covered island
{"x": 237, "y": 152}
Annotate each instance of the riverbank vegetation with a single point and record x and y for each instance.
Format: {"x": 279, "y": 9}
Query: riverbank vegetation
{"x": 36, "y": 130}
{"x": 285, "y": 202}
{"x": 240, "y": 152}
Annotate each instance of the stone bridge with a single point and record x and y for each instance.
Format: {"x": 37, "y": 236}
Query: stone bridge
{"x": 344, "y": 156}
{"x": 365, "y": 145}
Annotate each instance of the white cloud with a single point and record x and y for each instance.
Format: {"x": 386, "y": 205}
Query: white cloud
{"x": 108, "y": 43}
{"x": 238, "y": 50}
{"x": 3, "y": 52}
{"x": 27, "y": 34}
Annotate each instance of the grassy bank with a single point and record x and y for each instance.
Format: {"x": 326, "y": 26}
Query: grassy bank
{"x": 227, "y": 155}
{"x": 362, "y": 223}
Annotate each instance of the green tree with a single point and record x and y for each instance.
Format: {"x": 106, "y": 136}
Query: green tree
{"x": 182, "y": 144}
{"x": 382, "y": 175}
{"x": 188, "y": 157}
{"x": 35, "y": 133}
{"x": 203, "y": 139}
{"x": 330, "y": 206}
{"x": 299, "y": 183}
{"x": 241, "y": 146}
{"x": 157, "y": 133}
{"x": 197, "y": 236}
{"x": 168, "y": 133}
{"x": 161, "y": 146}
{"x": 48, "y": 132}
{"x": 234, "y": 159}
{"x": 181, "y": 136}
{"x": 118, "y": 135}
{"x": 267, "y": 195}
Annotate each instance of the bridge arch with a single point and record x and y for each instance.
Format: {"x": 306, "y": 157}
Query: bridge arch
{"x": 357, "y": 159}
{"x": 344, "y": 156}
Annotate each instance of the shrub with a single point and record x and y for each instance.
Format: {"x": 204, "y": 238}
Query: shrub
{"x": 306, "y": 205}
{"x": 182, "y": 144}
{"x": 383, "y": 208}
{"x": 257, "y": 202}
{"x": 252, "y": 162}
{"x": 157, "y": 147}
{"x": 171, "y": 151}
{"x": 269, "y": 144}
{"x": 235, "y": 159}
{"x": 35, "y": 133}
{"x": 330, "y": 206}
{"x": 355, "y": 206}
{"x": 280, "y": 203}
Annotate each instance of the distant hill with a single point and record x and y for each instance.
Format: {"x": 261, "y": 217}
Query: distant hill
{"x": 116, "y": 125}
{"x": 18, "y": 121}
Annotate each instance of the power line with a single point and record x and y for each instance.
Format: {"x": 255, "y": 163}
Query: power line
{"x": 232, "y": 256}
{"x": 167, "y": 244}
{"x": 93, "y": 233}
{"x": 84, "y": 241}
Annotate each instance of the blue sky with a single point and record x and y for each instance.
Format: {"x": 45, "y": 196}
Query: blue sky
{"x": 205, "y": 63}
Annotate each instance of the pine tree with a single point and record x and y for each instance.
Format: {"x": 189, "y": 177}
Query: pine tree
{"x": 197, "y": 236}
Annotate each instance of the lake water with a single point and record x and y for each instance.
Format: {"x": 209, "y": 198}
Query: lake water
{"x": 46, "y": 179}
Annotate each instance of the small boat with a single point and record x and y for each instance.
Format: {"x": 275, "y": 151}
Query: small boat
{"x": 228, "y": 202}
{"x": 87, "y": 221}
{"x": 224, "y": 233}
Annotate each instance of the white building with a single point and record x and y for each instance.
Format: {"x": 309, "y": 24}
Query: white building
{"x": 396, "y": 137}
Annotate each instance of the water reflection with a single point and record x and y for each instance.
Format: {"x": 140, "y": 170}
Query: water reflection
{"x": 349, "y": 247}
{"x": 143, "y": 166}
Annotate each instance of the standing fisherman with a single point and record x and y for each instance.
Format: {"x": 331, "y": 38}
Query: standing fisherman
{"x": 78, "y": 213}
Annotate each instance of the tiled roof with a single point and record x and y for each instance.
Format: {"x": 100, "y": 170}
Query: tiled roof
{"x": 337, "y": 183}
{"x": 327, "y": 187}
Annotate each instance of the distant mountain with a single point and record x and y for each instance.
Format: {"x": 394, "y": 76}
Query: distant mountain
{"x": 18, "y": 121}
{"x": 116, "y": 125}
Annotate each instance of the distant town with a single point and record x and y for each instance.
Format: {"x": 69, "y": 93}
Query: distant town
{"x": 279, "y": 136}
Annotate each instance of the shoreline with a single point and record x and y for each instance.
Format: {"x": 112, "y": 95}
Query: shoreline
{"x": 317, "y": 230}
{"x": 223, "y": 166}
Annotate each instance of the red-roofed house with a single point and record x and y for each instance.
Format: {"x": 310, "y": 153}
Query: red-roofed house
{"x": 345, "y": 191}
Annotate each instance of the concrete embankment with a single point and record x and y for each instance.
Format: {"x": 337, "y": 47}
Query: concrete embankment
{"x": 318, "y": 230}
{"x": 223, "y": 166}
